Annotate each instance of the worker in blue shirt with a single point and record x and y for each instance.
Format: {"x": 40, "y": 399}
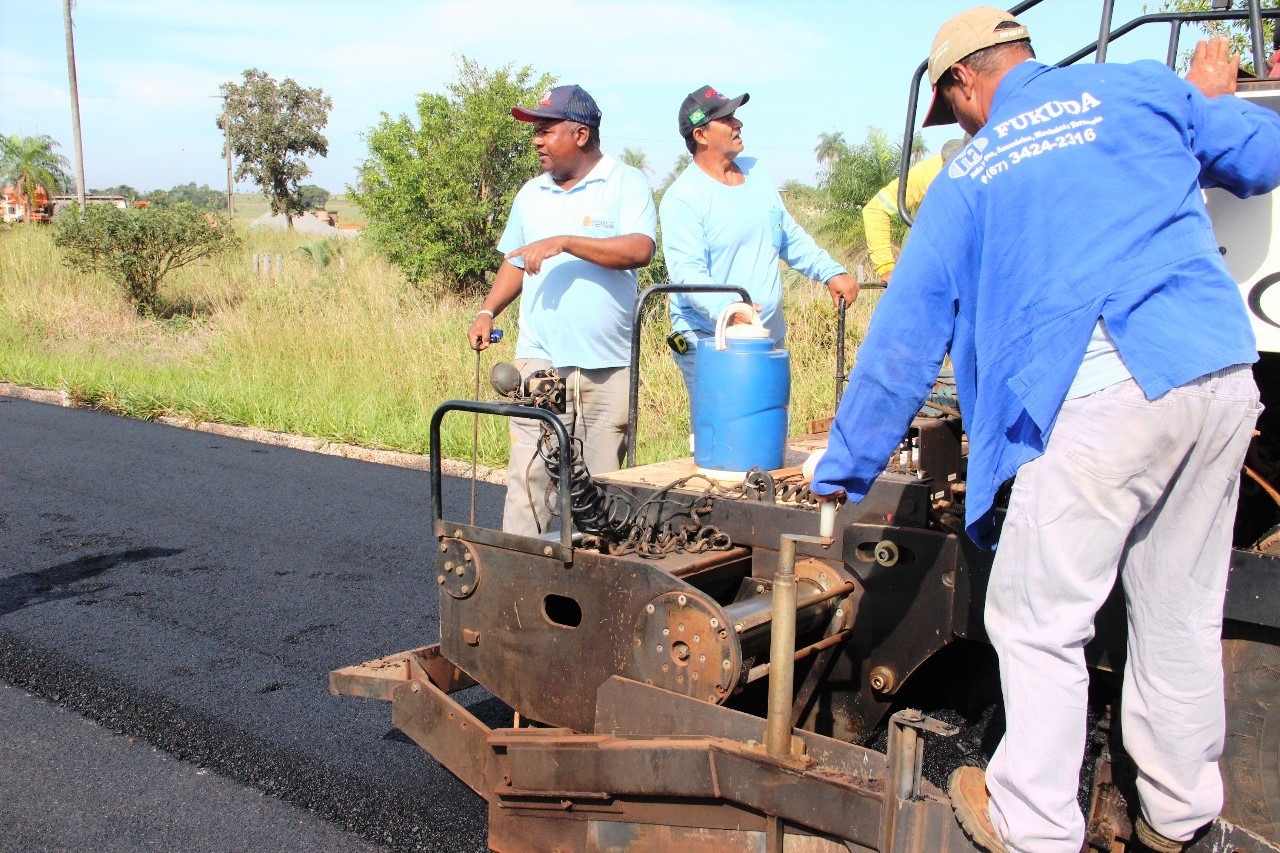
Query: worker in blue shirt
{"x": 576, "y": 236}
{"x": 723, "y": 222}
{"x": 1066, "y": 262}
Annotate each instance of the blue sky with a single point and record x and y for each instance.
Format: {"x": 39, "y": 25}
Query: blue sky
{"x": 149, "y": 70}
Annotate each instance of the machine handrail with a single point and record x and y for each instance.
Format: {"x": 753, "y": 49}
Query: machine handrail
{"x": 509, "y": 410}
{"x": 1106, "y": 35}
{"x": 637, "y": 317}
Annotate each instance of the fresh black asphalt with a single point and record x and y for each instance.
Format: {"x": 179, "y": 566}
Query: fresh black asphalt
{"x": 192, "y": 592}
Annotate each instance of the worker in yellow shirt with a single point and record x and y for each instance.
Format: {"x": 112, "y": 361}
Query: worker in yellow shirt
{"x": 878, "y": 213}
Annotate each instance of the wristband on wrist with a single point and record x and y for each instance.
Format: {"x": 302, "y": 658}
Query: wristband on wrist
{"x": 485, "y": 311}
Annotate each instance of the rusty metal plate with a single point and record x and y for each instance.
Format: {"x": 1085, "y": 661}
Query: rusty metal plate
{"x": 683, "y": 645}
{"x": 457, "y": 568}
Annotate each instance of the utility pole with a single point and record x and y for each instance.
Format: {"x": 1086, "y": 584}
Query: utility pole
{"x": 75, "y": 103}
{"x": 226, "y": 132}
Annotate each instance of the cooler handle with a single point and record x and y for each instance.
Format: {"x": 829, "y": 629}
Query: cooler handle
{"x": 731, "y": 309}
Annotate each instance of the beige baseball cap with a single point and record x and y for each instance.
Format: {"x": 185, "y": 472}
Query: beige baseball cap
{"x": 964, "y": 34}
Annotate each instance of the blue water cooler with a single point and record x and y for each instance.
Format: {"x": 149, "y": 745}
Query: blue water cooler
{"x": 742, "y": 390}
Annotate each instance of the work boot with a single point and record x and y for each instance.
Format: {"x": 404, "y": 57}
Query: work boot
{"x": 969, "y": 798}
{"x": 1150, "y": 841}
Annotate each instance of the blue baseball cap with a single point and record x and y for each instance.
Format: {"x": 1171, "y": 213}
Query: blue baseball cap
{"x": 563, "y": 102}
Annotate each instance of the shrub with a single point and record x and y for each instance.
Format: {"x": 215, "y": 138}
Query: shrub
{"x": 437, "y": 192}
{"x": 138, "y": 247}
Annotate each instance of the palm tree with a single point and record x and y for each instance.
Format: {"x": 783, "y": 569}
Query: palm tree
{"x": 682, "y": 163}
{"x": 31, "y": 162}
{"x": 857, "y": 175}
{"x": 830, "y": 147}
{"x": 637, "y": 159}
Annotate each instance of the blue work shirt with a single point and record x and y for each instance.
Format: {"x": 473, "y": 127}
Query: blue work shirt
{"x": 1080, "y": 198}
{"x": 713, "y": 233}
{"x": 573, "y": 312}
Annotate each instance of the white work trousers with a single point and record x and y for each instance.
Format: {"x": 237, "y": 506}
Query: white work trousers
{"x": 596, "y": 413}
{"x": 1149, "y": 489}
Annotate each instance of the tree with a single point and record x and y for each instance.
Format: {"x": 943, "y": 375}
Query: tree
{"x": 314, "y": 197}
{"x": 855, "y": 176}
{"x": 202, "y": 197}
{"x": 273, "y": 126}
{"x": 437, "y": 192}
{"x": 128, "y": 192}
{"x": 830, "y": 147}
{"x": 682, "y": 163}
{"x": 28, "y": 163}
{"x": 1236, "y": 31}
{"x": 637, "y": 159}
{"x": 138, "y": 247}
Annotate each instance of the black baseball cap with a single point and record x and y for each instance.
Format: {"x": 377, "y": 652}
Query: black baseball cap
{"x": 563, "y": 102}
{"x": 704, "y": 104}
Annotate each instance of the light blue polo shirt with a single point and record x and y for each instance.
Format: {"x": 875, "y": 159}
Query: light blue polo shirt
{"x": 576, "y": 313}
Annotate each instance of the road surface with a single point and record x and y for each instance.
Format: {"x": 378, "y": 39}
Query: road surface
{"x": 188, "y": 594}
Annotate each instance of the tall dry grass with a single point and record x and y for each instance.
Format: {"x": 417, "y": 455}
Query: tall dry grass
{"x": 352, "y": 354}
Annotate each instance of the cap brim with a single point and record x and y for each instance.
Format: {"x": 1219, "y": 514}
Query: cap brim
{"x": 939, "y": 111}
{"x": 530, "y": 115}
{"x": 728, "y": 106}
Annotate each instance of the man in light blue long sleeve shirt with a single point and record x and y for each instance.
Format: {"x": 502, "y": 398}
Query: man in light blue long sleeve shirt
{"x": 723, "y": 222}
{"x": 1066, "y": 261}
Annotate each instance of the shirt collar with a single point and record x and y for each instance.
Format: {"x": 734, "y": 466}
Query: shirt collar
{"x": 1017, "y": 77}
{"x": 599, "y": 172}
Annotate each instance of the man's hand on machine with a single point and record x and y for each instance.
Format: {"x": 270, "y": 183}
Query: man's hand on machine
{"x": 478, "y": 336}
{"x": 843, "y": 286}
{"x": 1213, "y": 68}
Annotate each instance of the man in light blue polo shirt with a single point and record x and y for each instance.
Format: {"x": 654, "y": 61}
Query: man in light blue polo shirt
{"x": 723, "y": 222}
{"x": 576, "y": 236}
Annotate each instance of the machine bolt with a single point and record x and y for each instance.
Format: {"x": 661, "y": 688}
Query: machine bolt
{"x": 548, "y": 551}
{"x": 457, "y": 534}
{"x": 822, "y": 576}
{"x": 882, "y": 679}
{"x": 465, "y": 589}
{"x": 414, "y": 688}
{"x": 738, "y": 628}
{"x": 665, "y": 667}
{"x": 839, "y": 612}
{"x": 448, "y": 566}
{"x": 467, "y": 556}
{"x": 639, "y": 642}
{"x": 666, "y": 632}
{"x": 461, "y": 571}
{"x": 681, "y": 628}
{"x": 726, "y": 664}
{"x": 694, "y": 676}
{"x": 886, "y": 553}
{"x": 696, "y": 638}
{"x": 648, "y": 608}
{"x": 444, "y": 548}
{"x": 679, "y": 679}
{"x": 659, "y": 649}
{"x": 715, "y": 623}
{"x": 440, "y": 578}
{"x": 682, "y": 600}
{"x": 759, "y": 588}
{"x": 701, "y": 659}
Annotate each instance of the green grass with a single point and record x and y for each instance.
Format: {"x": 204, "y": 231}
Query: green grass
{"x": 355, "y": 355}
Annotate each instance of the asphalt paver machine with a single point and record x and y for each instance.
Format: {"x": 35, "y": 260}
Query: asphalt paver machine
{"x": 696, "y": 664}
